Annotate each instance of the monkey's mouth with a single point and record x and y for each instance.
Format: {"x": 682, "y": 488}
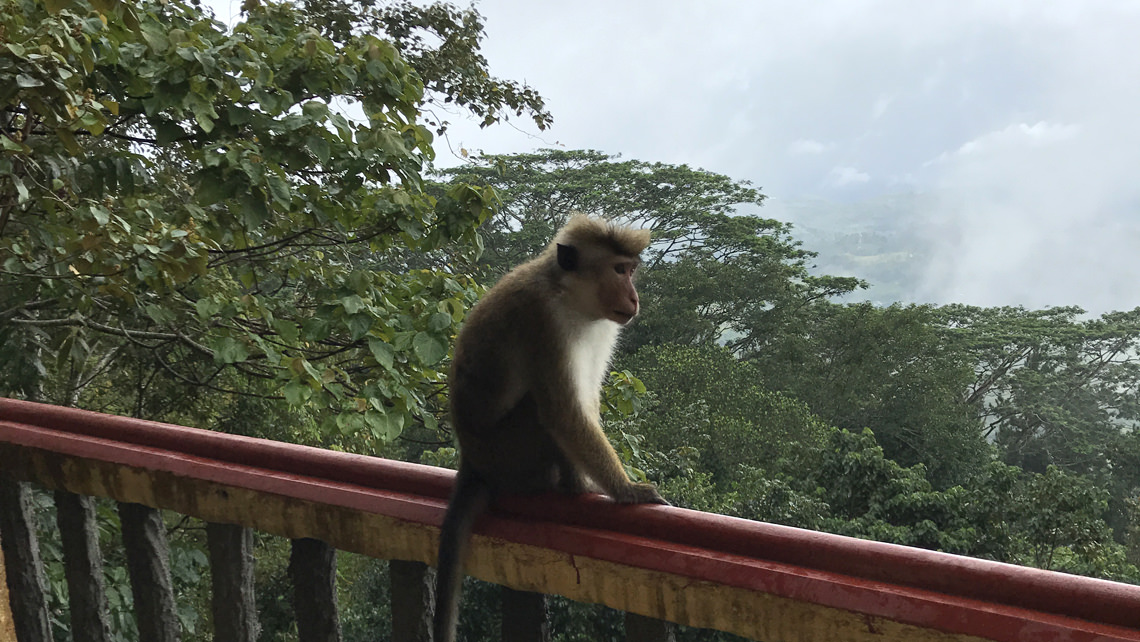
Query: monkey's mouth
{"x": 622, "y": 317}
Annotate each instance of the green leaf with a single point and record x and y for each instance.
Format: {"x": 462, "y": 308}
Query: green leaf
{"x": 315, "y": 329}
{"x": 287, "y": 330}
{"x": 204, "y": 120}
{"x": 315, "y": 110}
{"x": 207, "y": 308}
{"x": 230, "y": 350}
{"x": 382, "y": 352}
{"x": 384, "y": 425}
{"x": 25, "y": 81}
{"x": 358, "y": 325}
{"x": 429, "y": 348}
{"x": 296, "y": 393}
{"x": 21, "y": 189}
{"x": 155, "y": 39}
{"x": 352, "y": 303}
{"x": 159, "y": 314}
{"x": 279, "y": 190}
{"x": 69, "y": 142}
{"x": 319, "y": 147}
{"x": 439, "y": 321}
{"x": 7, "y": 144}
{"x": 313, "y": 372}
{"x": 350, "y": 423}
{"x": 167, "y": 131}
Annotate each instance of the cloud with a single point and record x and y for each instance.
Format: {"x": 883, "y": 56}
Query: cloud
{"x": 806, "y": 146}
{"x": 842, "y": 176}
{"x": 881, "y": 105}
{"x": 1012, "y": 137}
{"x": 1040, "y": 133}
{"x": 1018, "y": 116}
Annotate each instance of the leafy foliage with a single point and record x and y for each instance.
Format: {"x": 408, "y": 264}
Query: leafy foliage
{"x": 1052, "y": 520}
{"x": 860, "y": 366}
{"x": 441, "y": 42}
{"x": 711, "y": 402}
{"x": 195, "y": 197}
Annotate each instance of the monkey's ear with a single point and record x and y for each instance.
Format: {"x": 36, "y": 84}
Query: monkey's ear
{"x": 567, "y": 257}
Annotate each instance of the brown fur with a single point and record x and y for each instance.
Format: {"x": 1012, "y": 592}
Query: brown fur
{"x": 525, "y": 385}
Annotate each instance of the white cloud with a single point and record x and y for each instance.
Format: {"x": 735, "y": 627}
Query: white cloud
{"x": 1026, "y": 108}
{"x": 881, "y": 105}
{"x": 806, "y": 146}
{"x": 1040, "y": 133}
{"x": 842, "y": 176}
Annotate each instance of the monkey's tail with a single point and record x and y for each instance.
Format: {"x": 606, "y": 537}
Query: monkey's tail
{"x": 469, "y": 499}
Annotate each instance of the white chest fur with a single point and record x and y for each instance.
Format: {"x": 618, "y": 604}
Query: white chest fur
{"x": 591, "y": 348}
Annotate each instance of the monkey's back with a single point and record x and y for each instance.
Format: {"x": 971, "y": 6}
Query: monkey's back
{"x": 494, "y": 407}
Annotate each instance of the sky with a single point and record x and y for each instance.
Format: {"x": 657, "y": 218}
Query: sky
{"x": 1021, "y": 119}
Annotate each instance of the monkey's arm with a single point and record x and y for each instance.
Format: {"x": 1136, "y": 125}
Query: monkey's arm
{"x": 581, "y": 438}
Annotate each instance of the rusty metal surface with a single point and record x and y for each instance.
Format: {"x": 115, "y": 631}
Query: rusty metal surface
{"x": 690, "y": 556}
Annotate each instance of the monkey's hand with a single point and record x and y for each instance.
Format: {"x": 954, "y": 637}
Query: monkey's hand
{"x": 639, "y": 494}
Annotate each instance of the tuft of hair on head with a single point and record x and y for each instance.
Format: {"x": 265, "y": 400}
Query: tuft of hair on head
{"x": 583, "y": 230}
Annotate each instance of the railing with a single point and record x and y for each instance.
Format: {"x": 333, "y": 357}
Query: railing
{"x": 659, "y": 564}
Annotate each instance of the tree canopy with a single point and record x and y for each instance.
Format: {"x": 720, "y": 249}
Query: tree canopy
{"x": 219, "y": 202}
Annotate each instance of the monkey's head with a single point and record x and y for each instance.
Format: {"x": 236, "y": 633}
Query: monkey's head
{"x": 597, "y": 261}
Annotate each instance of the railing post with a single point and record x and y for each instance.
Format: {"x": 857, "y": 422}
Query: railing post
{"x": 312, "y": 566}
{"x": 639, "y": 628}
{"x": 83, "y": 565}
{"x": 7, "y": 626}
{"x": 231, "y": 577}
{"x": 413, "y": 600}
{"x": 524, "y": 616}
{"x": 148, "y": 564}
{"x": 22, "y": 563}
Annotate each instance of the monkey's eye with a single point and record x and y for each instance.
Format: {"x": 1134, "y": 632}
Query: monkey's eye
{"x": 622, "y": 268}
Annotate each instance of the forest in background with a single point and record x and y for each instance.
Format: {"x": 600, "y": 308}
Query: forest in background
{"x": 238, "y": 228}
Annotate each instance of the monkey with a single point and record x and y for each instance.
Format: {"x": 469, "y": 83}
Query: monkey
{"x": 525, "y": 387}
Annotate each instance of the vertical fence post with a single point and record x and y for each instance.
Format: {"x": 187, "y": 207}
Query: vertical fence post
{"x": 25, "y": 575}
{"x": 83, "y": 566}
{"x": 7, "y": 626}
{"x": 524, "y": 616}
{"x": 413, "y": 600}
{"x": 148, "y": 563}
{"x": 639, "y": 628}
{"x": 231, "y": 577}
{"x": 312, "y": 566}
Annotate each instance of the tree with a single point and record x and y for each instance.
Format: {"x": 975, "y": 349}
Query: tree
{"x": 441, "y": 42}
{"x": 1053, "y": 389}
{"x": 713, "y": 273}
{"x": 1052, "y": 520}
{"x": 888, "y": 369}
{"x": 706, "y": 399}
{"x": 195, "y": 198}
{"x": 1056, "y": 389}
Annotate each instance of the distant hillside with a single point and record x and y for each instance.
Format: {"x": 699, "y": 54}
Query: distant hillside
{"x": 886, "y": 241}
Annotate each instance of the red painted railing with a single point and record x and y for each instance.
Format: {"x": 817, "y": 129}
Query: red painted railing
{"x": 931, "y": 590}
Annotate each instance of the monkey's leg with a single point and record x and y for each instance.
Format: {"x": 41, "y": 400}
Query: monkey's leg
{"x": 586, "y": 446}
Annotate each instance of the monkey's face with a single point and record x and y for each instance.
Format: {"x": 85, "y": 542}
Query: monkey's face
{"x": 617, "y": 296}
{"x": 601, "y": 281}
